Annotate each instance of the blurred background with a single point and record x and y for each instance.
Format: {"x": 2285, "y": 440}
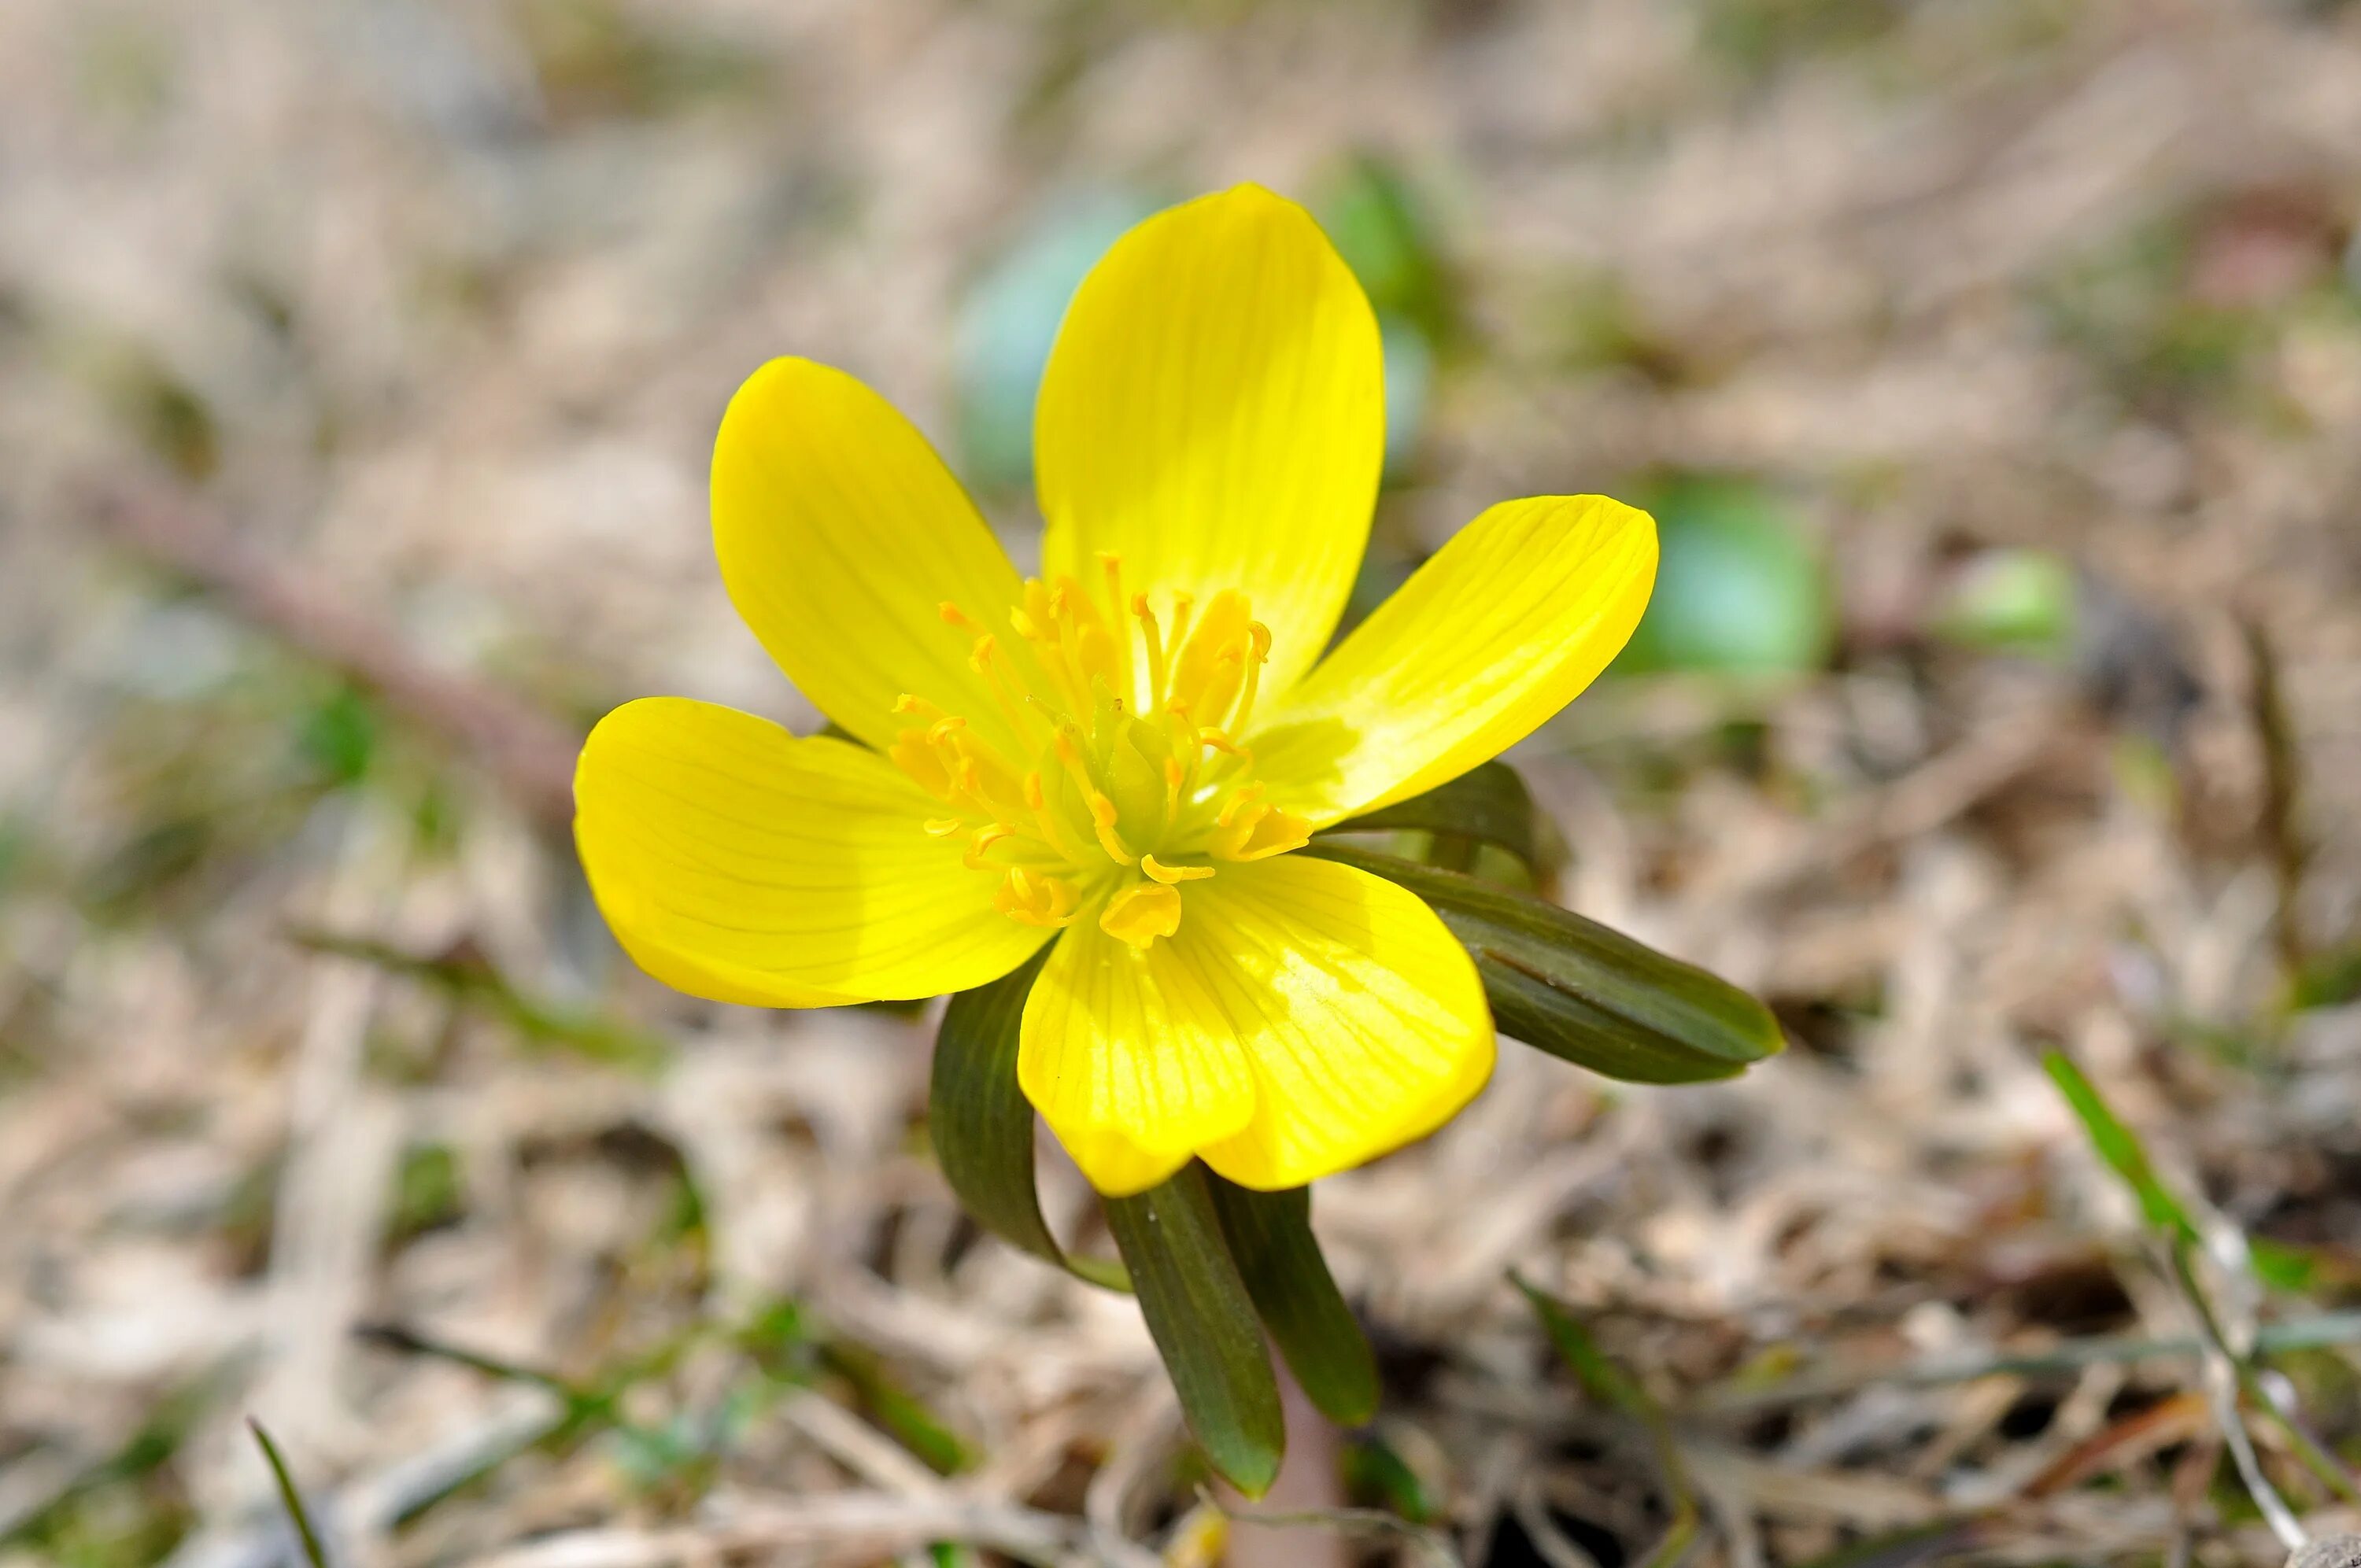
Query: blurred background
{"x": 1993, "y": 367}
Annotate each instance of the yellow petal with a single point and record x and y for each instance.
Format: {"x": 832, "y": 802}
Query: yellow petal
{"x": 1128, "y": 1055}
{"x": 738, "y": 863}
{"x": 1304, "y": 1018}
{"x": 1214, "y": 413}
{"x": 1507, "y": 623}
{"x": 841, "y": 535}
{"x": 1361, "y": 1016}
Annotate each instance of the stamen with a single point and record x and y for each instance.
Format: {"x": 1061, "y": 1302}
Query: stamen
{"x": 1155, "y": 641}
{"x": 1141, "y": 913}
{"x": 912, "y": 752}
{"x": 1260, "y": 833}
{"x": 1182, "y": 604}
{"x": 1109, "y": 712}
{"x": 1249, "y": 796}
{"x": 985, "y": 838}
{"x": 1069, "y": 747}
{"x": 1034, "y": 899}
{"x": 1125, "y": 672}
{"x": 1103, "y": 821}
{"x": 1052, "y": 823}
{"x": 1258, "y": 654}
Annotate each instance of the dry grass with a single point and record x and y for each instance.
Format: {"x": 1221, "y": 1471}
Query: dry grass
{"x": 439, "y": 303}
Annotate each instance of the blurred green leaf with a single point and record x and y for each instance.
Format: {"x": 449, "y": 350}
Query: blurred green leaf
{"x": 427, "y": 1194}
{"x": 1203, "y": 1320}
{"x": 596, "y": 59}
{"x": 1372, "y": 214}
{"x": 293, "y": 1500}
{"x": 895, "y": 1407}
{"x": 1607, "y": 1383}
{"x": 982, "y": 1124}
{"x": 340, "y": 736}
{"x": 1374, "y": 217}
{"x": 1579, "y": 990}
{"x": 1009, "y": 320}
{"x": 1409, "y": 368}
{"x": 2329, "y": 979}
{"x": 1373, "y": 1469}
{"x": 1270, "y": 1235}
{"x": 2282, "y": 1266}
{"x": 2120, "y": 1147}
{"x": 1740, "y": 589}
{"x": 1489, "y": 803}
{"x": 2016, "y": 600}
{"x": 1599, "y": 1377}
{"x": 465, "y": 974}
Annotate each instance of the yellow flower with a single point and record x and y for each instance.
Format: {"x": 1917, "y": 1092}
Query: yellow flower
{"x": 1115, "y": 756}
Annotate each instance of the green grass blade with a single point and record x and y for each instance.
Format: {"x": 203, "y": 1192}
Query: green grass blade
{"x": 288, "y": 1495}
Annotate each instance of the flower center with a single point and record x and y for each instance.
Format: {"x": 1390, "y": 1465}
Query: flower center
{"x": 1130, "y": 780}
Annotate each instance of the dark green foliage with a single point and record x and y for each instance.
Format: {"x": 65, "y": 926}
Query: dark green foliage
{"x": 1270, "y": 1235}
{"x": 1577, "y": 989}
{"x": 982, "y": 1123}
{"x": 1203, "y": 1320}
{"x": 1489, "y": 804}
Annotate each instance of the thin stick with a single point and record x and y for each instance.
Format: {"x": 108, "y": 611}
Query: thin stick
{"x": 2297, "y": 1333}
{"x": 529, "y": 755}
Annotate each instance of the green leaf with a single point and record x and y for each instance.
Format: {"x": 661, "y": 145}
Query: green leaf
{"x": 1203, "y": 1320}
{"x": 2120, "y": 1147}
{"x": 1374, "y": 1469}
{"x": 2012, "y": 600}
{"x": 1600, "y": 1377}
{"x": 895, "y": 1409}
{"x": 465, "y": 974}
{"x": 1579, "y": 990}
{"x": 1608, "y": 1384}
{"x": 1489, "y": 804}
{"x": 1271, "y": 1236}
{"x": 1008, "y": 321}
{"x": 982, "y": 1123}
{"x": 1740, "y": 589}
{"x": 291, "y": 1496}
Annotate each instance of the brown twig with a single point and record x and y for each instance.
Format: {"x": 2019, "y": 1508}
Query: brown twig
{"x": 527, "y": 752}
{"x": 2282, "y": 839}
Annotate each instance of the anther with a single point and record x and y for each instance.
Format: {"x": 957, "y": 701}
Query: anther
{"x": 943, "y": 827}
{"x": 1153, "y": 639}
{"x": 1141, "y": 913}
{"x": 985, "y": 838}
{"x": 1103, "y": 821}
{"x": 1169, "y": 875}
{"x": 954, "y": 615}
{"x": 1182, "y": 604}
